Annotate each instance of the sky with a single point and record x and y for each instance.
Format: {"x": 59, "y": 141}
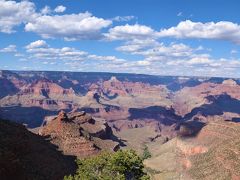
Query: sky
{"x": 159, "y": 37}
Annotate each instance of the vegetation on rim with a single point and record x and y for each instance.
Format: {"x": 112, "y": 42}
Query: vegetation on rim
{"x": 121, "y": 165}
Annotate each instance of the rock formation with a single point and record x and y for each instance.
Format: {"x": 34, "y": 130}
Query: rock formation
{"x": 78, "y": 134}
{"x": 46, "y": 88}
{"x": 24, "y": 155}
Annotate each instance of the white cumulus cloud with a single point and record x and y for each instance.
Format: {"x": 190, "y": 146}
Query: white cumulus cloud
{"x": 37, "y": 44}
{"x": 60, "y": 9}
{"x": 222, "y": 30}
{"x": 127, "y": 32}
{"x": 41, "y": 50}
{"x": 14, "y": 13}
{"x": 46, "y": 10}
{"x": 69, "y": 27}
{"x": 46, "y": 24}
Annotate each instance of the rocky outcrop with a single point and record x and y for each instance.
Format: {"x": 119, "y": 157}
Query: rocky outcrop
{"x": 230, "y": 82}
{"x": 24, "y": 155}
{"x": 78, "y": 134}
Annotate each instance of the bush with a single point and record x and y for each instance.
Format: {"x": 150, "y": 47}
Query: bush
{"x": 146, "y": 153}
{"x": 120, "y": 165}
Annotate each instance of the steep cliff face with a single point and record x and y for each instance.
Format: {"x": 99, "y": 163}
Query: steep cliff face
{"x": 7, "y": 88}
{"x": 79, "y": 134}
{"x": 24, "y": 155}
{"x": 10, "y": 83}
{"x": 46, "y": 88}
{"x": 16, "y": 80}
{"x": 41, "y": 93}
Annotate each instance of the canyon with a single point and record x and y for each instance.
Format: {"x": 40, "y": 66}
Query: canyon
{"x": 177, "y": 118}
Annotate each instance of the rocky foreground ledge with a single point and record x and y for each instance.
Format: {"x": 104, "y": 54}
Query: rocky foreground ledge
{"x": 25, "y": 155}
{"x": 78, "y": 134}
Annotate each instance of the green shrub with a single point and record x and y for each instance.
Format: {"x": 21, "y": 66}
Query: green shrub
{"x": 146, "y": 153}
{"x": 120, "y": 165}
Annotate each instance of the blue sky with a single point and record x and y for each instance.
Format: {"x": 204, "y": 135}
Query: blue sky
{"x": 167, "y": 37}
